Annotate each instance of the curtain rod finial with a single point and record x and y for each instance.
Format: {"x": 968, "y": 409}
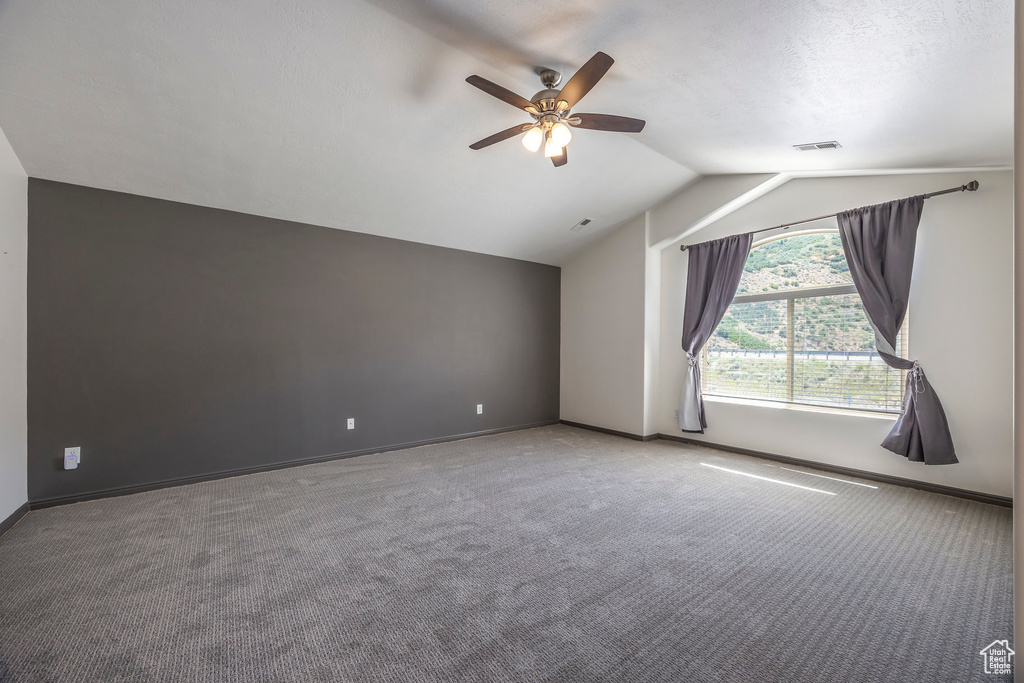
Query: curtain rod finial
{"x": 971, "y": 186}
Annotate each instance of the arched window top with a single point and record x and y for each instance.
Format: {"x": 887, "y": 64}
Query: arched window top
{"x": 796, "y": 262}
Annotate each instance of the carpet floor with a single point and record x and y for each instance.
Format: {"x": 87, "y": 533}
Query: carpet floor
{"x": 550, "y": 554}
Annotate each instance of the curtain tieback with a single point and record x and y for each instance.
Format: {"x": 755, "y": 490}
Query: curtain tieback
{"x": 692, "y": 359}
{"x": 916, "y": 376}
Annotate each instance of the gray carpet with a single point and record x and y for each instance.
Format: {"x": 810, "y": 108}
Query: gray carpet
{"x": 549, "y": 554}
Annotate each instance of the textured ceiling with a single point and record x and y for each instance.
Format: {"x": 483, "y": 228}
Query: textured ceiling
{"x": 728, "y": 86}
{"x": 356, "y": 115}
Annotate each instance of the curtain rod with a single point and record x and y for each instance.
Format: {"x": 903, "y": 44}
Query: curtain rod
{"x": 969, "y": 187}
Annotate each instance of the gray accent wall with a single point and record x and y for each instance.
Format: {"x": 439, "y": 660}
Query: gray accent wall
{"x": 173, "y": 341}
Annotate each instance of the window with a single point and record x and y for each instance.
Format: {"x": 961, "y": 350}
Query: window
{"x": 797, "y": 333}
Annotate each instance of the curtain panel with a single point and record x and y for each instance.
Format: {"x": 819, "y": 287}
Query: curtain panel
{"x": 879, "y": 242}
{"x": 712, "y": 277}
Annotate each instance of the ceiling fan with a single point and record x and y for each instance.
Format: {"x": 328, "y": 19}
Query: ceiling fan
{"x": 550, "y": 110}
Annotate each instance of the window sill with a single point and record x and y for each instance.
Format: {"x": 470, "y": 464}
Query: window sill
{"x": 776, "y": 405}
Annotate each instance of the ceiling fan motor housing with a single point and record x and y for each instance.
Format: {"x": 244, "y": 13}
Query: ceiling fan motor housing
{"x": 546, "y": 100}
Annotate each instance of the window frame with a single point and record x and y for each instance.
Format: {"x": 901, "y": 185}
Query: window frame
{"x": 790, "y": 296}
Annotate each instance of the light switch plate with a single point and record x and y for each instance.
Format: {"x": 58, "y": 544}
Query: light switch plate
{"x": 351, "y": 423}
{"x": 479, "y": 408}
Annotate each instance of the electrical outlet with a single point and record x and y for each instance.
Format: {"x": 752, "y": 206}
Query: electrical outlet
{"x": 72, "y": 456}
{"x": 351, "y": 423}
{"x": 479, "y": 408}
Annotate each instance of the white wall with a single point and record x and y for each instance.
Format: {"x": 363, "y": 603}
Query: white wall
{"x": 603, "y": 341}
{"x": 1018, "y": 446}
{"x": 13, "y": 331}
{"x": 652, "y": 333}
{"x": 961, "y": 330}
{"x": 701, "y": 200}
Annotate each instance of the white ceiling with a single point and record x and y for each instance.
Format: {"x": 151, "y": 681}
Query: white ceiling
{"x": 356, "y": 115}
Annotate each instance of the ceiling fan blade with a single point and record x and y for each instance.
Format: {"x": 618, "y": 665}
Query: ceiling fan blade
{"x": 498, "y": 137}
{"x": 619, "y": 124}
{"x": 503, "y": 94}
{"x": 585, "y": 79}
{"x": 562, "y": 159}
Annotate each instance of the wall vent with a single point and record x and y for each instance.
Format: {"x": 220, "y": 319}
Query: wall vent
{"x": 579, "y": 226}
{"x": 811, "y": 146}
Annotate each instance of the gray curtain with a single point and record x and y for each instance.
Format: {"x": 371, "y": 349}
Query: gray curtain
{"x": 714, "y": 273}
{"x": 879, "y": 243}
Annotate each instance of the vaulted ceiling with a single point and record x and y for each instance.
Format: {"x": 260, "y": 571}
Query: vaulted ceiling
{"x": 355, "y": 115}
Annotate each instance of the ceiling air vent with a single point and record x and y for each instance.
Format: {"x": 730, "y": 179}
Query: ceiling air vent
{"x": 811, "y": 146}
{"x": 579, "y": 226}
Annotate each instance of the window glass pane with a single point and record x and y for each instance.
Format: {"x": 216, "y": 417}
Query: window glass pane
{"x": 746, "y": 357}
{"x": 829, "y": 359}
{"x": 796, "y": 262}
{"x": 834, "y": 357}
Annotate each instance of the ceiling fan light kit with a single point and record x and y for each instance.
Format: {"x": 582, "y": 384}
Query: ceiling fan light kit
{"x": 560, "y": 134}
{"x": 533, "y": 138}
{"x": 552, "y": 148}
{"x": 551, "y": 110}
